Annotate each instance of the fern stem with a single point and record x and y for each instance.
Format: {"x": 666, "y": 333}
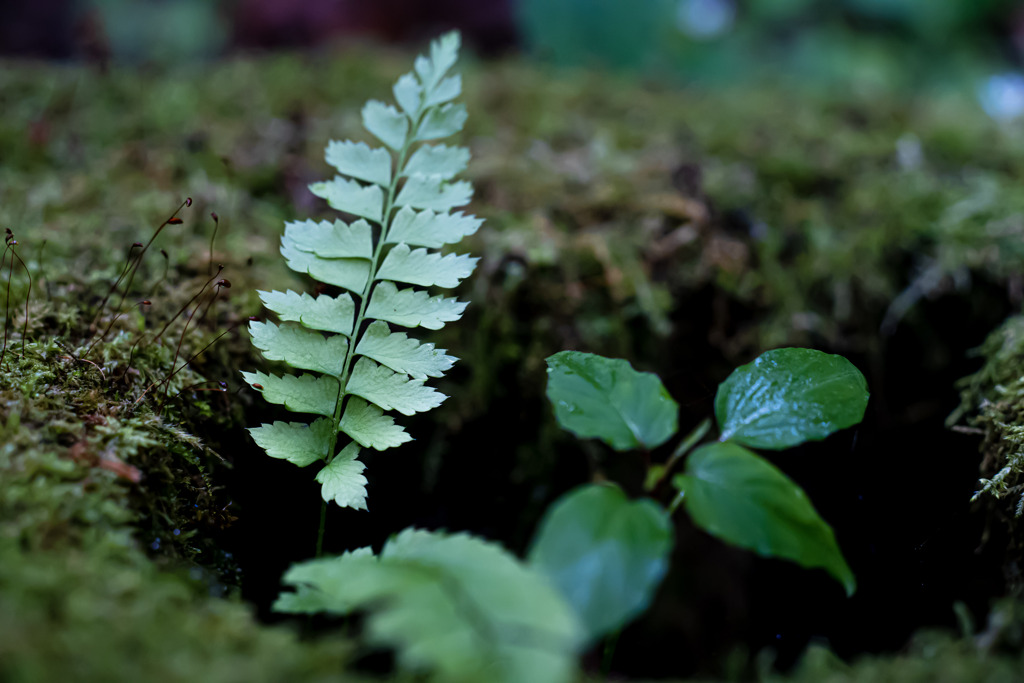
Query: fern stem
{"x": 323, "y": 525}
{"x": 346, "y": 368}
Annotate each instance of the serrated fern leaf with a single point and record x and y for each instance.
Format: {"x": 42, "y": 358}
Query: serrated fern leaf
{"x": 332, "y": 240}
{"x": 342, "y": 479}
{"x": 429, "y": 229}
{"x": 303, "y": 394}
{"x": 351, "y": 197}
{"x": 437, "y": 160}
{"x": 401, "y": 194}
{"x": 370, "y": 427}
{"x": 391, "y": 390}
{"x": 421, "y": 267}
{"x": 402, "y": 354}
{"x": 297, "y": 442}
{"x": 433, "y": 192}
{"x": 347, "y": 273}
{"x": 443, "y": 54}
{"x": 441, "y": 122}
{"x": 411, "y": 308}
{"x": 300, "y": 347}
{"x": 389, "y": 125}
{"x": 446, "y": 90}
{"x": 359, "y": 160}
{"x": 327, "y": 313}
{"x": 453, "y": 605}
{"x": 408, "y": 93}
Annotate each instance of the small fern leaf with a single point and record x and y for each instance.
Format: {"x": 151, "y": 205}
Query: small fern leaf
{"x": 431, "y": 192}
{"x": 359, "y": 160}
{"x": 391, "y": 390}
{"x": 437, "y": 160}
{"x": 388, "y": 124}
{"x": 327, "y": 313}
{"x": 307, "y": 600}
{"x": 402, "y": 354}
{"x": 409, "y": 94}
{"x": 347, "y": 273}
{"x": 441, "y": 122}
{"x": 343, "y": 480}
{"x": 370, "y": 427}
{"x": 351, "y": 197}
{"x": 424, "y": 268}
{"x": 302, "y": 394}
{"x": 300, "y": 347}
{"x": 446, "y": 90}
{"x": 460, "y": 607}
{"x": 443, "y": 54}
{"x": 296, "y": 442}
{"x": 331, "y": 240}
{"x": 429, "y": 229}
{"x": 411, "y": 308}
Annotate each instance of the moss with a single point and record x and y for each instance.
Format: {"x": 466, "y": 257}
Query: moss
{"x": 818, "y": 210}
{"x": 108, "y": 511}
{"x": 991, "y": 656}
{"x": 107, "y": 614}
{"x": 992, "y": 406}
{"x": 672, "y": 227}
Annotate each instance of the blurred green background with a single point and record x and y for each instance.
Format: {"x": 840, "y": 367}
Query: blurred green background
{"x": 683, "y": 184}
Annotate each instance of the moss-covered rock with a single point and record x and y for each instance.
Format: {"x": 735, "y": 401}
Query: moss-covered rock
{"x": 686, "y": 230}
{"x": 992, "y": 406}
{"x": 109, "y": 514}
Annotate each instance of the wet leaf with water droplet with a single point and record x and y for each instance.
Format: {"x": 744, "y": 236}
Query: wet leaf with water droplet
{"x": 605, "y": 398}
{"x": 788, "y": 396}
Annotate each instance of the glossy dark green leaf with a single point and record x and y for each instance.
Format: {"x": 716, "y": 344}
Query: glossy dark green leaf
{"x": 741, "y": 498}
{"x": 605, "y": 398}
{"x": 788, "y": 396}
{"x": 605, "y": 553}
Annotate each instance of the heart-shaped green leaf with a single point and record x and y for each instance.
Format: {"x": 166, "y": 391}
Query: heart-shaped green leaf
{"x": 788, "y": 396}
{"x": 605, "y": 553}
{"x": 741, "y": 498}
{"x": 605, "y": 398}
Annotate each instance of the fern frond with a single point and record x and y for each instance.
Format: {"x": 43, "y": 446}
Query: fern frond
{"x": 454, "y": 605}
{"x": 402, "y": 195}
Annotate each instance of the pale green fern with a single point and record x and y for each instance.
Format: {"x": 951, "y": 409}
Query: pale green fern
{"x": 454, "y": 606}
{"x": 402, "y": 195}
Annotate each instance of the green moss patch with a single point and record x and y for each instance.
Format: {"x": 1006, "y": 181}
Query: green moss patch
{"x": 683, "y": 229}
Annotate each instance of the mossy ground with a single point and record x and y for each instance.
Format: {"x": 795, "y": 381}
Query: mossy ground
{"x": 109, "y": 512}
{"x": 991, "y": 406}
{"x": 685, "y": 230}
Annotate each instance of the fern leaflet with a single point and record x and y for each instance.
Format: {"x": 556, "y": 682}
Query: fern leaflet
{"x": 458, "y": 607}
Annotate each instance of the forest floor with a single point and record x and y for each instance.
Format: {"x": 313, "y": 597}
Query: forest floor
{"x": 143, "y": 536}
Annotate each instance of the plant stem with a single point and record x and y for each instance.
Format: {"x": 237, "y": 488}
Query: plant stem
{"x": 687, "y": 444}
{"x": 364, "y": 299}
{"x": 676, "y": 502}
{"x": 323, "y": 524}
{"x": 609, "y": 653}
